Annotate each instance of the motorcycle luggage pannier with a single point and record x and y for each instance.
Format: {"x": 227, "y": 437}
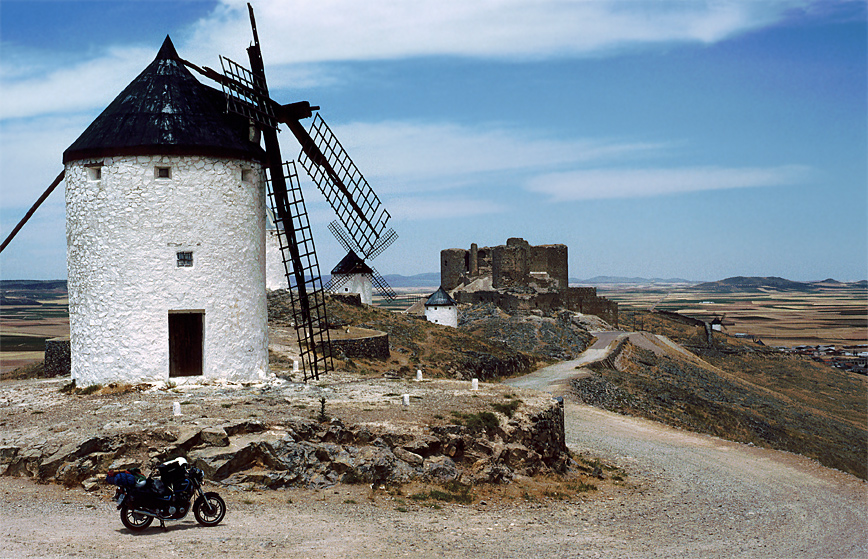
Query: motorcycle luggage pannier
{"x": 171, "y": 473}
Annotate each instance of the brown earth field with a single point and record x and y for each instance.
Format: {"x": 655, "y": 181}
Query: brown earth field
{"x": 833, "y": 314}
{"x": 23, "y": 329}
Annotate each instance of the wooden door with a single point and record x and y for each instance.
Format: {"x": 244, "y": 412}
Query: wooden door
{"x": 186, "y": 337}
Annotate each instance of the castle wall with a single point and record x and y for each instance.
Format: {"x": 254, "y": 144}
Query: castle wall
{"x": 509, "y": 266}
{"x": 123, "y": 233}
{"x": 517, "y": 264}
{"x": 452, "y": 267}
{"x": 551, "y": 259}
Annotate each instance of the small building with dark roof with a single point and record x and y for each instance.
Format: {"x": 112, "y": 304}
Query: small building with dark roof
{"x": 441, "y": 308}
{"x": 352, "y": 275}
{"x": 165, "y": 208}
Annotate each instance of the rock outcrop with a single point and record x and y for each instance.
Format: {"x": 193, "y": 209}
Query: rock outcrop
{"x": 301, "y": 451}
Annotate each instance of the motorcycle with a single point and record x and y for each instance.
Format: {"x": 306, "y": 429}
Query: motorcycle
{"x": 168, "y": 497}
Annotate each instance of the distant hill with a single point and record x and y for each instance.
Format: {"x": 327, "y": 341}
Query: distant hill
{"x": 624, "y": 280}
{"x": 32, "y": 285}
{"x": 742, "y": 283}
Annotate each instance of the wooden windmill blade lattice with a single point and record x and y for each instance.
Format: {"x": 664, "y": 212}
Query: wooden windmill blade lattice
{"x": 351, "y": 197}
{"x": 305, "y": 283}
{"x": 383, "y": 242}
{"x": 382, "y": 286}
{"x": 247, "y": 94}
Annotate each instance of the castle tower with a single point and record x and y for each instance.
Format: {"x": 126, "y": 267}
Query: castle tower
{"x": 165, "y": 206}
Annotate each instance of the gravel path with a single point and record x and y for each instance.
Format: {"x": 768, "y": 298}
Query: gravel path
{"x": 708, "y": 497}
{"x": 687, "y": 495}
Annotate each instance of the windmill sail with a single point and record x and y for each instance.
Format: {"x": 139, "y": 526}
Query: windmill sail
{"x": 383, "y": 242}
{"x": 334, "y": 173}
{"x": 302, "y": 272}
{"x": 247, "y": 94}
{"x": 301, "y": 268}
{"x": 382, "y": 286}
{"x": 341, "y": 182}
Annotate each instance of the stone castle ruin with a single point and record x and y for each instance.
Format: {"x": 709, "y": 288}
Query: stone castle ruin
{"x": 519, "y": 277}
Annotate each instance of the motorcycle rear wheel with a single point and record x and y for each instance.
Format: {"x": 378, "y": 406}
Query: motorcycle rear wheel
{"x": 215, "y": 515}
{"x": 133, "y": 520}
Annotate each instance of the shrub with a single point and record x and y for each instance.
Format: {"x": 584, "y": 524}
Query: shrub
{"x": 507, "y": 409}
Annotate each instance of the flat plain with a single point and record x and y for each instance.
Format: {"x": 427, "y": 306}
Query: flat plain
{"x": 827, "y": 313}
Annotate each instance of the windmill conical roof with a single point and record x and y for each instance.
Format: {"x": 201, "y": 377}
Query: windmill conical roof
{"x": 352, "y": 264}
{"x": 440, "y": 299}
{"x": 166, "y": 111}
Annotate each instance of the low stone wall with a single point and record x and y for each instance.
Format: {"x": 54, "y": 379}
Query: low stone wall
{"x": 375, "y": 346}
{"x": 58, "y": 358}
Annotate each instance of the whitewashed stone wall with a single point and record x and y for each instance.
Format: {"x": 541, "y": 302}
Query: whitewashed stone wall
{"x": 275, "y": 275}
{"x": 357, "y": 283}
{"x": 446, "y": 315}
{"x": 123, "y": 233}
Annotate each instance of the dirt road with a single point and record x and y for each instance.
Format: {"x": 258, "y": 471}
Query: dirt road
{"x": 708, "y": 497}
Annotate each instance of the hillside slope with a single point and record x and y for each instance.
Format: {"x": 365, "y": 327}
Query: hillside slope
{"x": 739, "y": 391}
{"x": 414, "y": 343}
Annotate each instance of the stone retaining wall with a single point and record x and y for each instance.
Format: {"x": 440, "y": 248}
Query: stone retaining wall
{"x": 376, "y": 346}
{"x": 58, "y": 359}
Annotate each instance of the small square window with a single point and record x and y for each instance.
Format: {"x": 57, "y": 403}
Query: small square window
{"x": 185, "y": 259}
{"x": 162, "y": 172}
{"x": 94, "y": 173}
{"x": 246, "y": 175}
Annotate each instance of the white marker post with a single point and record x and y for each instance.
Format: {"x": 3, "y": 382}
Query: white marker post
{"x": 406, "y": 401}
{"x": 176, "y": 408}
{"x": 418, "y": 376}
{"x": 474, "y": 384}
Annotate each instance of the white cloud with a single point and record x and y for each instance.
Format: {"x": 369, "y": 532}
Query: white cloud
{"x": 80, "y": 87}
{"x": 421, "y": 208}
{"x": 408, "y": 156}
{"x": 293, "y": 31}
{"x": 298, "y": 34}
{"x": 641, "y": 183}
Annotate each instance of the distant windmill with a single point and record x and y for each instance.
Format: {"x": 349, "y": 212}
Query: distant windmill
{"x": 330, "y": 168}
{"x": 356, "y": 258}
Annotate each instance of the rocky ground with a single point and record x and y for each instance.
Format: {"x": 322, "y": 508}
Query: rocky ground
{"x": 340, "y": 429}
{"x": 559, "y": 337}
{"x": 682, "y": 495}
{"x": 658, "y": 492}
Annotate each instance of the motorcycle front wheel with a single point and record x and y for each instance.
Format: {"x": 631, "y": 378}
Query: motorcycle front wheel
{"x": 133, "y": 520}
{"x": 210, "y": 513}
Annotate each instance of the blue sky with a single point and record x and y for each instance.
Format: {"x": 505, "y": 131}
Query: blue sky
{"x": 694, "y": 139}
